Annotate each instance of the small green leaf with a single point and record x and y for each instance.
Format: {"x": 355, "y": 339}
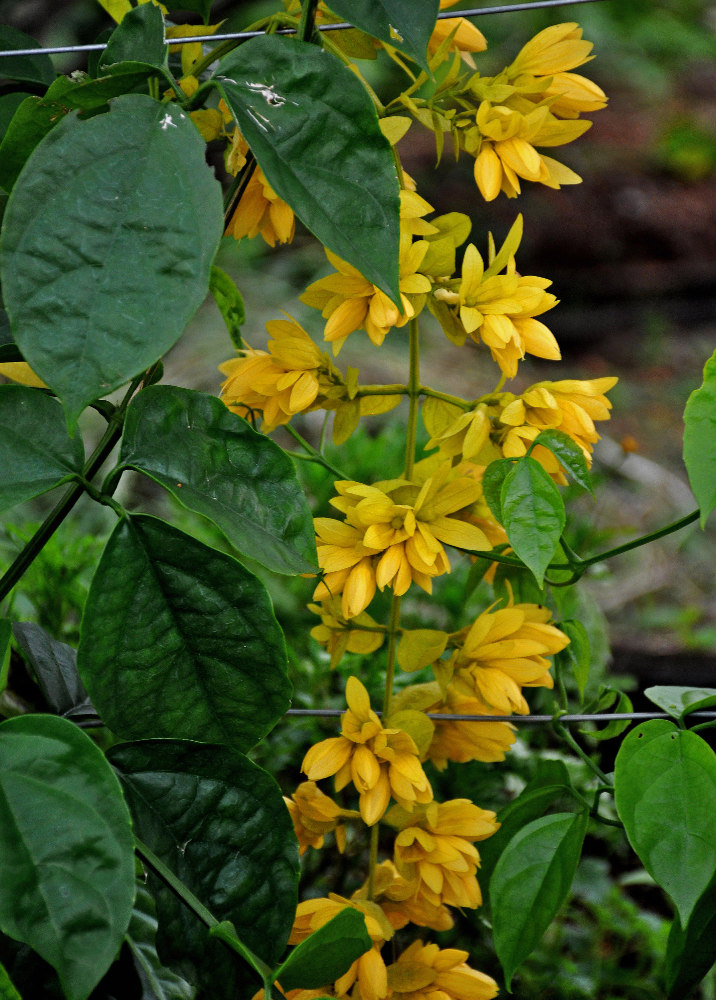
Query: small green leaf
{"x": 220, "y": 823}
{"x": 405, "y": 25}
{"x": 138, "y": 38}
{"x": 9, "y": 103}
{"x": 314, "y": 132}
{"x": 36, "y": 452}
{"x": 665, "y": 791}
{"x": 31, "y": 69}
{"x": 569, "y": 453}
{"x": 326, "y": 954}
{"x": 700, "y": 441}
{"x": 531, "y": 881}
{"x": 532, "y": 514}
{"x": 7, "y": 988}
{"x": 230, "y": 303}
{"x": 691, "y": 951}
{"x": 180, "y": 640}
{"x": 616, "y": 700}
{"x": 125, "y": 77}
{"x": 492, "y": 480}
{"x": 35, "y": 117}
{"x": 87, "y": 293}
{"x": 54, "y": 665}
{"x": 576, "y": 657}
{"x": 680, "y": 701}
{"x": 215, "y": 463}
{"x": 67, "y": 848}
{"x": 158, "y": 982}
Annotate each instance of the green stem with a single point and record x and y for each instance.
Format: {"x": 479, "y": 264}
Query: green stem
{"x": 228, "y": 46}
{"x": 565, "y": 734}
{"x": 237, "y": 187}
{"x": 464, "y": 404}
{"x": 331, "y": 47}
{"x": 58, "y": 514}
{"x": 668, "y": 529}
{"x": 313, "y": 455}
{"x": 308, "y": 19}
{"x": 414, "y": 395}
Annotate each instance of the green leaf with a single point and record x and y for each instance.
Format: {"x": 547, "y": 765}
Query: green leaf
{"x": 67, "y": 848}
{"x": 202, "y": 7}
{"x": 576, "y": 657}
{"x": 220, "y": 823}
{"x": 36, "y": 452}
{"x": 326, "y": 954}
{"x": 9, "y": 103}
{"x": 314, "y": 132}
{"x": 532, "y": 514}
{"x": 138, "y": 38}
{"x": 7, "y": 989}
{"x": 31, "y": 69}
{"x": 404, "y": 24}
{"x": 691, "y": 951}
{"x": 531, "y": 881}
{"x": 180, "y": 640}
{"x": 158, "y": 982}
{"x": 54, "y": 665}
{"x": 700, "y": 441}
{"x": 124, "y": 78}
{"x": 492, "y": 480}
{"x": 230, "y": 303}
{"x": 35, "y": 117}
{"x": 215, "y": 463}
{"x": 680, "y": 701}
{"x": 609, "y": 698}
{"x": 87, "y": 291}
{"x": 665, "y": 791}
{"x": 569, "y": 454}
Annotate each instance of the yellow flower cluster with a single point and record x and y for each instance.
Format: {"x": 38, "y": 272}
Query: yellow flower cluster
{"x": 315, "y": 814}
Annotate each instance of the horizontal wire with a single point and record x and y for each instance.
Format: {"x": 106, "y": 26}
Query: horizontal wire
{"x": 328, "y": 713}
{"x": 238, "y": 35}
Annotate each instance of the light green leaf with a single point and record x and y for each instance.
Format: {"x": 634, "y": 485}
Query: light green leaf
{"x": 36, "y": 452}
{"x": 680, "y": 701}
{"x": 230, "y": 303}
{"x": 7, "y": 988}
{"x": 67, "y": 848}
{"x": 700, "y": 440}
{"x": 215, "y": 463}
{"x": 531, "y": 881}
{"x": 569, "y": 454}
{"x": 532, "y": 514}
{"x": 180, "y": 640}
{"x": 326, "y": 954}
{"x": 220, "y": 823}
{"x": 87, "y": 292}
{"x": 404, "y": 24}
{"x": 492, "y": 480}
{"x": 665, "y": 790}
{"x": 314, "y": 132}
{"x": 577, "y": 655}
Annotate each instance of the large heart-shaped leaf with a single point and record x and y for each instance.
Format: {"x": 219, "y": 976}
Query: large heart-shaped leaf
{"x": 215, "y": 463}
{"x": 67, "y": 849}
{"x": 314, "y": 132}
{"x": 180, "y": 640}
{"x": 87, "y": 290}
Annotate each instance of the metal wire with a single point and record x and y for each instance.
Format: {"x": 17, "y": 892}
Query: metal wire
{"x": 328, "y": 713}
{"x": 238, "y": 35}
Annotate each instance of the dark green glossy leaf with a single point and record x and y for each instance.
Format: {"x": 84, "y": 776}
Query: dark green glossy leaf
{"x": 230, "y": 303}
{"x": 54, "y": 665}
{"x": 315, "y": 134}
{"x": 220, "y": 824}
{"x": 665, "y": 791}
{"x": 492, "y": 481}
{"x": 679, "y": 701}
{"x": 569, "y": 453}
{"x": 691, "y": 951}
{"x": 138, "y": 38}
{"x": 531, "y": 881}
{"x": 576, "y": 657}
{"x": 125, "y": 78}
{"x": 32, "y": 69}
{"x": 87, "y": 292}
{"x": 215, "y": 463}
{"x": 700, "y": 440}
{"x": 36, "y": 452}
{"x": 532, "y": 514}
{"x": 326, "y": 954}
{"x": 35, "y": 117}
{"x": 158, "y": 982}
{"x": 404, "y": 24}
{"x": 180, "y": 640}
{"x": 67, "y": 848}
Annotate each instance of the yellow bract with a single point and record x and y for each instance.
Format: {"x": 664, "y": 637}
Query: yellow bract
{"x": 314, "y": 815}
{"x": 424, "y": 972}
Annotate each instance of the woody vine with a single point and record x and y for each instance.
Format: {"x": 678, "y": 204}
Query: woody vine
{"x": 181, "y": 660}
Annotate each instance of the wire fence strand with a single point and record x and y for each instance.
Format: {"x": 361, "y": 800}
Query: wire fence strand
{"x": 330, "y": 713}
{"x": 242, "y": 35}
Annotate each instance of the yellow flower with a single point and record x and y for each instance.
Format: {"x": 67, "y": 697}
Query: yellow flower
{"x": 396, "y": 897}
{"x": 435, "y": 849}
{"x": 504, "y": 651}
{"x": 314, "y": 815}
{"x": 260, "y": 210}
{"x": 424, "y": 972}
{"x": 282, "y": 382}
{"x": 350, "y": 302}
{"x": 466, "y": 40}
{"x": 555, "y": 50}
{"x": 378, "y": 761}
{"x": 464, "y": 741}
{"x": 361, "y": 634}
